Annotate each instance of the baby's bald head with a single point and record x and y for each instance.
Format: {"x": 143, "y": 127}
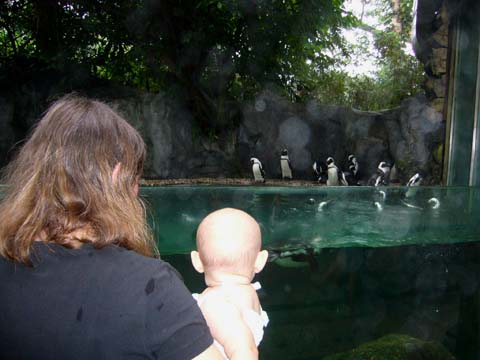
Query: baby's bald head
{"x": 228, "y": 239}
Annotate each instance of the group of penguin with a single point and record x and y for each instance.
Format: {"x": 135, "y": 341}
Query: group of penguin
{"x": 330, "y": 174}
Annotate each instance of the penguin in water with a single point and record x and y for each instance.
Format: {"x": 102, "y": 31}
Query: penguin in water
{"x": 320, "y": 171}
{"x": 415, "y": 180}
{"x": 257, "y": 169}
{"x": 323, "y": 205}
{"x": 409, "y": 196}
{"x": 379, "y": 198}
{"x": 335, "y": 176}
{"x": 285, "y": 165}
{"x": 294, "y": 256}
{"x": 412, "y": 185}
{"x": 382, "y": 176}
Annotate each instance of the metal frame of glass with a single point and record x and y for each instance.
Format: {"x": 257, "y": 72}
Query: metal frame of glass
{"x": 462, "y": 156}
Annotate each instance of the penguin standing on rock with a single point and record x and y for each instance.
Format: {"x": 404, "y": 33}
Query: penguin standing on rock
{"x": 335, "y": 176}
{"x": 382, "y": 176}
{"x": 257, "y": 170}
{"x": 320, "y": 171}
{"x": 285, "y": 165}
{"x": 353, "y": 164}
{"x": 350, "y": 175}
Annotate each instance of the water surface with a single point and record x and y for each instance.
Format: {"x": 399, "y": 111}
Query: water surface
{"x": 321, "y": 217}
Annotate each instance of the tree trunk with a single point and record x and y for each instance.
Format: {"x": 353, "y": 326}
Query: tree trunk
{"x": 47, "y": 29}
{"x": 397, "y": 16}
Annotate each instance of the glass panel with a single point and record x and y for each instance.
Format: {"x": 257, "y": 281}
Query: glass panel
{"x": 348, "y": 265}
{"x": 321, "y": 217}
{"x": 464, "y": 99}
{"x": 475, "y": 168}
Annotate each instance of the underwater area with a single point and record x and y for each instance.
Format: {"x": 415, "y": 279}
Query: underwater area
{"x": 348, "y": 265}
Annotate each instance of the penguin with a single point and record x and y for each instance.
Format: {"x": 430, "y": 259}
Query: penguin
{"x": 414, "y": 181}
{"x": 294, "y": 256}
{"x": 324, "y": 205}
{"x": 257, "y": 169}
{"x": 382, "y": 176}
{"x": 434, "y": 203}
{"x": 335, "y": 176}
{"x": 379, "y": 199}
{"x": 320, "y": 171}
{"x": 378, "y": 205}
{"x": 285, "y": 165}
{"x": 350, "y": 175}
{"x": 409, "y": 199}
{"x": 352, "y": 160}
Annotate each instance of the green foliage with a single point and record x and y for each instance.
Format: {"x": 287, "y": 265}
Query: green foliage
{"x": 207, "y": 52}
{"x": 396, "y": 80}
{"x": 399, "y": 75}
{"x": 386, "y": 13}
{"x": 125, "y": 39}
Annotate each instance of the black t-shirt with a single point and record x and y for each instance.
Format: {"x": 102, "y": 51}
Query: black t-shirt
{"x": 97, "y": 304}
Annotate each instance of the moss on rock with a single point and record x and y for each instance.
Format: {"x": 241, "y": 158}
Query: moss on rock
{"x": 396, "y": 347}
{"x": 438, "y": 153}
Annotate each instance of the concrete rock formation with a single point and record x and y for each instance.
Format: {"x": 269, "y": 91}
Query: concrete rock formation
{"x": 407, "y": 135}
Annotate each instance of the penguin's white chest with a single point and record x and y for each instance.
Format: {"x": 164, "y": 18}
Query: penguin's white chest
{"x": 257, "y": 173}
{"x": 332, "y": 179}
{"x": 286, "y": 171}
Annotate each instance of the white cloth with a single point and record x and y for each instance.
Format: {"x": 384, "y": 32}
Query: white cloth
{"x": 255, "y": 321}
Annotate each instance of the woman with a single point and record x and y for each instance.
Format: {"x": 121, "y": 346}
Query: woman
{"x": 79, "y": 274}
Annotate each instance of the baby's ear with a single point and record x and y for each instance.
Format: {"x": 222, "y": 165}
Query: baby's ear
{"x": 261, "y": 260}
{"x": 196, "y": 261}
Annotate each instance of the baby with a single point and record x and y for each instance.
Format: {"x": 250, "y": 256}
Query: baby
{"x": 228, "y": 244}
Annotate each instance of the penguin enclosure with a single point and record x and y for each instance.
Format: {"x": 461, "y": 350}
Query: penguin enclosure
{"x": 249, "y": 93}
{"x": 395, "y": 266}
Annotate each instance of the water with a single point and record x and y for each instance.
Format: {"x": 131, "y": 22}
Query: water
{"x": 320, "y": 217}
{"x": 348, "y": 265}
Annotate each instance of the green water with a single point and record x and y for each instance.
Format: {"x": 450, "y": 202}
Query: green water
{"x": 371, "y": 270}
{"x": 320, "y": 217}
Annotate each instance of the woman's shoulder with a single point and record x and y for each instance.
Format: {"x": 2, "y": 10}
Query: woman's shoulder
{"x": 110, "y": 261}
{"x": 129, "y": 261}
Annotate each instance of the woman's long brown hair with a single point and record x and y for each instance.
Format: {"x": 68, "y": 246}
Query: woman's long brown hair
{"x": 61, "y": 187}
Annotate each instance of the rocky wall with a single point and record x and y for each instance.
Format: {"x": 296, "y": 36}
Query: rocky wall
{"x": 432, "y": 30}
{"x": 409, "y": 135}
